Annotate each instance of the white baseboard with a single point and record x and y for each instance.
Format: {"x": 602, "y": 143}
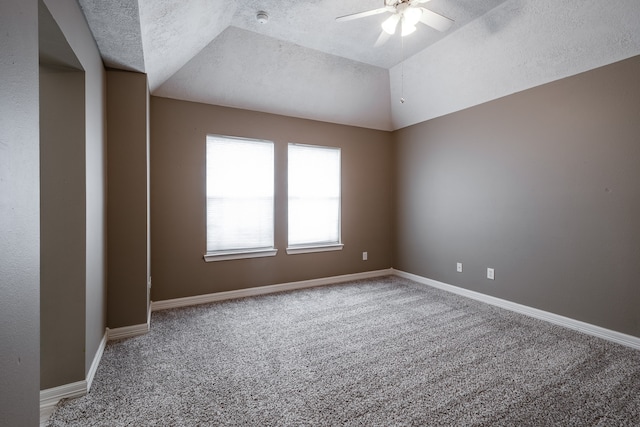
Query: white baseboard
{"x": 96, "y": 361}
{"x": 50, "y": 397}
{"x": 576, "y": 325}
{"x": 128, "y": 331}
{"x": 262, "y": 290}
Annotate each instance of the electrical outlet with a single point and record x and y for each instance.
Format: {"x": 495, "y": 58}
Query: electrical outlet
{"x": 459, "y": 267}
{"x": 490, "y": 274}
{"x": 365, "y": 256}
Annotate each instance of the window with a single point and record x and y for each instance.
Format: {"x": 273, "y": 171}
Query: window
{"x": 240, "y": 205}
{"x": 314, "y": 199}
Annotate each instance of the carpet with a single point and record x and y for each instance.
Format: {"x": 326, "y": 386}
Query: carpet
{"x": 376, "y": 352}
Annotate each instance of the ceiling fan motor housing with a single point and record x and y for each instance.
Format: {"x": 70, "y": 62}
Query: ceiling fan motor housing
{"x": 397, "y": 3}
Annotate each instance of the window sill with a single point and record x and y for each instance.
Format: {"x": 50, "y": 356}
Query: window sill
{"x": 317, "y": 248}
{"x": 242, "y": 254}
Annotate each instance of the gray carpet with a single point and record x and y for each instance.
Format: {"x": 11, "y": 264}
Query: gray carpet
{"x": 377, "y": 352}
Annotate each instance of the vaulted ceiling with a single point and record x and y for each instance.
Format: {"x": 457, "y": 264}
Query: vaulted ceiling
{"x": 304, "y": 63}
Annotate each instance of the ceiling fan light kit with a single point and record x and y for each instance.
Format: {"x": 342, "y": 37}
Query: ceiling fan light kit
{"x": 407, "y": 15}
{"x": 411, "y": 15}
{"x": 390, "y": 24}
{"x": 406, "y": 12}
{"x": 407, "y": 28}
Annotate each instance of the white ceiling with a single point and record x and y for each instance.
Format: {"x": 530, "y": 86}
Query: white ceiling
{"x": 303, "y": 63}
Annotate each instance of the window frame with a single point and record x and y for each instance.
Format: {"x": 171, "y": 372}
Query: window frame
{"x": 312, "y": 247}
{"x": 240, "y": 253}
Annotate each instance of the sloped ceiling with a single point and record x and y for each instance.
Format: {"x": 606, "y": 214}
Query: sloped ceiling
{"x": 244, "y": 69}
{"x": 303, "y": 63}
{"x": 516, "y": 46}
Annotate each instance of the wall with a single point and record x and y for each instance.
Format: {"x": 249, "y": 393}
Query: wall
{"x": 19, "y": 214}
{"x": 542, "y": 186}
{"x": 127, "y": 108}
{"x": 62, "y": 226}
{"x": 73, "y": 215}
{"x": 71, "y": 21}
{"x": 178, "y": 131}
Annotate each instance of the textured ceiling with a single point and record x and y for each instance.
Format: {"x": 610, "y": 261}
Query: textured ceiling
{"x": 312, "y": 24}
{"x": 160, "y": 36}
{"x": 303, "y": 63}
{"x": 247, "y": 70}
{"x": 115, "y": 25}
{"x": 516, "y": 46}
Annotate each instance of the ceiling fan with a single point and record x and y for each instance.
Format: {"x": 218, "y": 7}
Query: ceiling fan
{"x": 407, "y": 13}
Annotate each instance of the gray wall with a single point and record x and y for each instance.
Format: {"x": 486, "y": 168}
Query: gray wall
{"x": 127, "y": 111}
{"x": 69, "y": 18}
{"x": 178, "y": 131}
{"x": 20, "y": 203}
{"x": 19, "y": 214}
{"x": 71, "y": 22}
{"x": 543, "y": 186}
{"x": 62, "y": 226}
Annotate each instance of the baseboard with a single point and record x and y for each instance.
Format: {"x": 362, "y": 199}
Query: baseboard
{"x": 576, "y": 325}
{"x": 96, "y": 361}
{"x": 262, "y": 290}
{"x": 127, "y": 331}
{"x": 50, "y": 397}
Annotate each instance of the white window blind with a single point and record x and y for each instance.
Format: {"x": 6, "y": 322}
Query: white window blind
{"x": 314, "y": 195}
{"x": 240, "y": 206}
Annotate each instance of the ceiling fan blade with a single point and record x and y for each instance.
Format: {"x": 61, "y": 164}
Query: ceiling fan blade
{"x": 382, "y": 39}
{"x": 435, "y": 20}
{"x": 419, "y": 1}
{"x": 364, "y": 14}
